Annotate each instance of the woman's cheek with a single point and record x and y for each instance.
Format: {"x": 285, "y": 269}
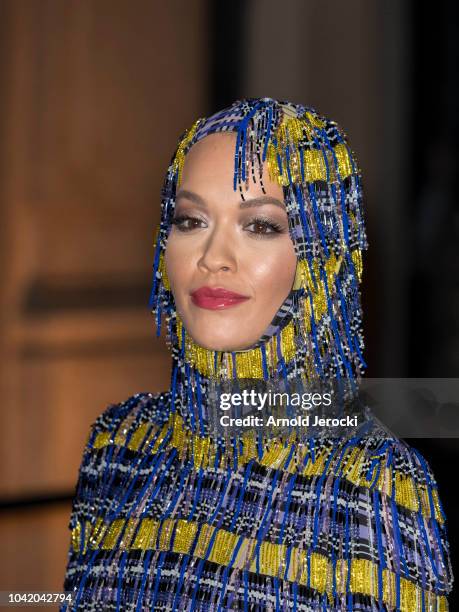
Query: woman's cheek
{"x": 177, "y": 264}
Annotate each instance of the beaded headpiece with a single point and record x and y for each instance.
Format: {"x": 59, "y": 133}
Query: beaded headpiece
{"x": 316, "y": 333}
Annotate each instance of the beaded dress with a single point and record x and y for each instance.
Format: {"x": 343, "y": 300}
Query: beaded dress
{"x": 168, "y": 515}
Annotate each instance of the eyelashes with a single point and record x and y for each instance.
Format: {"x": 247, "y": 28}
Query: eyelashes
{"x": 186, "y": 223}
{"x": 264, "y": 227}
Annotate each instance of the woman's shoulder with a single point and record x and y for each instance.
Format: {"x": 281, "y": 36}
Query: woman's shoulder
{"x": 394, "y": 459}
{"x": 380, "y": 461}
{"x": 373, "y": 437}
{"x": 399, "y": 454}
{"x": 129, "y": 414}
{"x": 115, "y": 425}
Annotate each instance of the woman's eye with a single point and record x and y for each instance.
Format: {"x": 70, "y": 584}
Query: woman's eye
{"x": 263, "y": 227}
{"x": 185, "y": 223}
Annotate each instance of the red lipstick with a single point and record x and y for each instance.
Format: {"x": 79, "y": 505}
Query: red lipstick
{"x": 216, "y": 298}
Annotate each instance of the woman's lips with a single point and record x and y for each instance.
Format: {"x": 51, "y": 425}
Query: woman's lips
{"x": 216, "y": 298}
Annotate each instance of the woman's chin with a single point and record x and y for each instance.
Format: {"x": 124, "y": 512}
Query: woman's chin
{"x": 229, "y": 341}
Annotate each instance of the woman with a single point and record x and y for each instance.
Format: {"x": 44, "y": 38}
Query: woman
{"x": 256, "y": 280}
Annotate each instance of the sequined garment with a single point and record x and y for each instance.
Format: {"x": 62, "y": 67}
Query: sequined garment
{"x": 163, "y": 521}
{"x": 171, "y": 515}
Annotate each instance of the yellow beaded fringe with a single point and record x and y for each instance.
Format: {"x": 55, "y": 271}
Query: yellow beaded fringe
{"x": 151, "y": 534}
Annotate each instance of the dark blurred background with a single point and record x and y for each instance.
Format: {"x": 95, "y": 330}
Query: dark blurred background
{"x": 93, "y": 96}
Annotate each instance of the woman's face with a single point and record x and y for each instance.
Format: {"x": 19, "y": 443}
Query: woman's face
{"x": 230, "y": 263}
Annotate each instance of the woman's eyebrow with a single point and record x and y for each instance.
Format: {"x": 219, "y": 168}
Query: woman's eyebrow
{"x": 260, "y": 201}
{"x": 192, "y": 196}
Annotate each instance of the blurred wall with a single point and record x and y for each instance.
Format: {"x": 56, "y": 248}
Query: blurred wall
{"x": 94, "y": 97}
{"x": 350, "y": 61}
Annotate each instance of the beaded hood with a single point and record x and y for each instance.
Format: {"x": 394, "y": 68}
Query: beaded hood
{"x": 316, "y": 334}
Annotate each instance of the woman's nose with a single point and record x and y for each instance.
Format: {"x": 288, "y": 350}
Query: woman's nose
{"x": 218, "y": 252}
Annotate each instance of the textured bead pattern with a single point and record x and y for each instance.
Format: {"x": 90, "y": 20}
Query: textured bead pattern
{"x": 326, "y": 522}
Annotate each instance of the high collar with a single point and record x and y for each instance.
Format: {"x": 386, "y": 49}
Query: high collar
{"x": 199, "y": 376}
{"x": 274, "y": 365}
